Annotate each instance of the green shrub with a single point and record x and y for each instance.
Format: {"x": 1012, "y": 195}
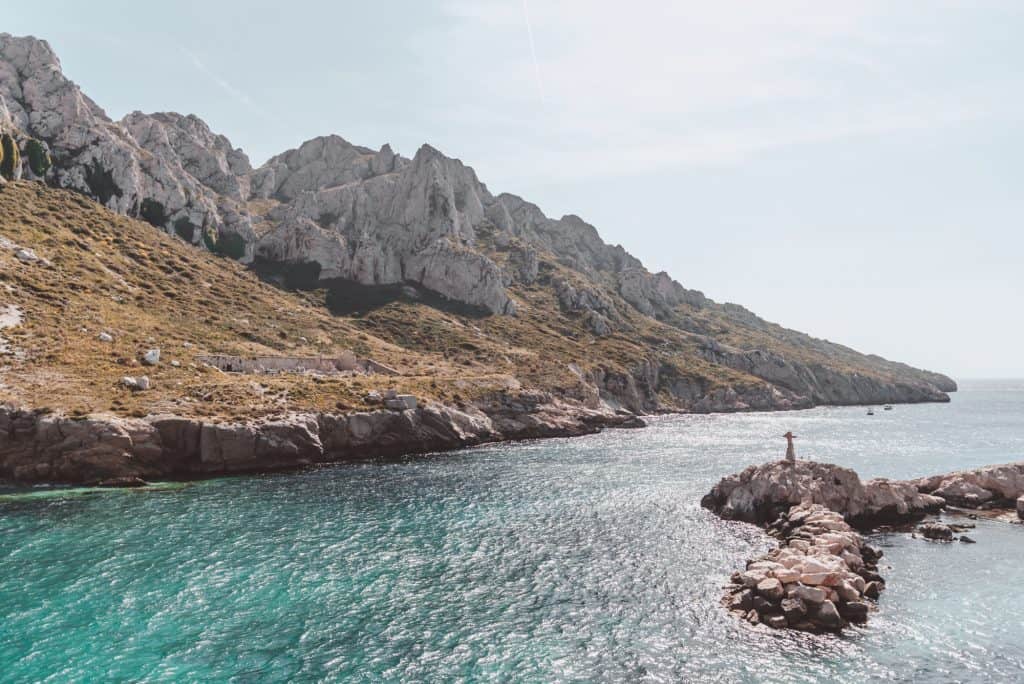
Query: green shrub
{"x": 231, "y": 245}
{"x": 185, "y": 229}
{"x": 225, "y": 244}
{"x": 153, "y": 213}
{"x": 210, "y": 239}
{"x": 12, "y": 157}
{"x": 38, "y": 158}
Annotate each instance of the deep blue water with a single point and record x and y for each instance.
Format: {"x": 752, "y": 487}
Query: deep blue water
{"x": 565, "y": 560}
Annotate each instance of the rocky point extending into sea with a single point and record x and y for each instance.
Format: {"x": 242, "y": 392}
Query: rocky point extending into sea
{"x": 43, "y": 447}
{"x": 823, "y": 575}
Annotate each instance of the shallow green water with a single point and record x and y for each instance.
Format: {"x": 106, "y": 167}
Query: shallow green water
{"x": 564, "y": 560}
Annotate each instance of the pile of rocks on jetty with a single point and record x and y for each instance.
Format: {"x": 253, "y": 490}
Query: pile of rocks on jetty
{"x": 822, "y": 576}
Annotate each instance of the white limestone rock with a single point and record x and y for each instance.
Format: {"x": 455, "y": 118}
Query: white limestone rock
{"x": 401, "y": 402}
{"x": 762, "y": 492}
{"x": 99, "y": 157}
{"x": 139, "y": 384}
{"x": 971, "y": 488}
{"x": 417, "y": 224}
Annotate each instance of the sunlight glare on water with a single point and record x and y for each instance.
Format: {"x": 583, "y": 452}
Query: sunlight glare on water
{"x": 564, "y": 560}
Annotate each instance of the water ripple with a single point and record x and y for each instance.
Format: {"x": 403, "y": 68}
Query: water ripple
{"x": 557, "y": 561}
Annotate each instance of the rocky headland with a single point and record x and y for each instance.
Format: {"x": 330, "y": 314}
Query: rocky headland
{"x": 823, "y": 575}
{"x": 156, "y": 233}
{"x": 996, "y": 486}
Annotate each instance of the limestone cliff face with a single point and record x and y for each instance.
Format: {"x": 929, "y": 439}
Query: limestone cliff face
{"x": 104, "y": 159}
{"x": 375, "y": 219}
{"x": 821, "y": 384}
{"x": 353, "y": 214}
{"x": 368, "y": 216}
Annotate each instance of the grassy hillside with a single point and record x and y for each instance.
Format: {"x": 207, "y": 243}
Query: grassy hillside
{"x": 112, "y": 274}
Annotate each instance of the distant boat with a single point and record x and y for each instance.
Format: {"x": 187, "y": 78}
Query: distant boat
{"x": 871, "y": 411}
{"x": 888, "y": 407}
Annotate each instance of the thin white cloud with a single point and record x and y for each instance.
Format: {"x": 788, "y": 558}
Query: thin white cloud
{"x": 224, "y": 84}
{"x": 637, "y": 87}
{"x": 533, "y": 50}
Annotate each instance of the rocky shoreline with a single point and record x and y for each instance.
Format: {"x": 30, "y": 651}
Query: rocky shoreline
{"x": 44, "y": 447}
{"x": 40, "y": 446}
{"x": 823, "y": 576}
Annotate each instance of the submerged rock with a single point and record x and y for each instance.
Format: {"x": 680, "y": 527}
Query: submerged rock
{"x": 936, "y": 531}
{"x": 123, "y": 482}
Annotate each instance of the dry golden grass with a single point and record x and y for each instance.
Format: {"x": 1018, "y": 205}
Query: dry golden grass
{"x": 118, "y": 275}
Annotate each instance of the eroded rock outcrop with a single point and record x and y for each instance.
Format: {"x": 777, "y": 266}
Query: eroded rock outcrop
{"x": 44, "y": 447}
{"x": 762, "y": 493}
{"x": 991, "y": 486}
{"x": 101, "y": 158}
{"x": 821, "y": 384}
{"x": 415, "y": 222}
{"x": 812, "y": 508}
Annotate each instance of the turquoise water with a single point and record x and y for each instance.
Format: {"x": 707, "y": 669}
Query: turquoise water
{"x": 566, "y": 560}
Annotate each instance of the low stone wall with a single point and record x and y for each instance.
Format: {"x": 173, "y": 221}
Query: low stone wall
{"x": 344, "y": 362}
{"x": 372, "y": 366}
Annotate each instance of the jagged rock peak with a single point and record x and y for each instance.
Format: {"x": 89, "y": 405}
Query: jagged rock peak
{"x": 28, "y": 53}
{"x": 91, "y": 154}
{"x": 321, "y": 162}
{"x": 374, "y": 217}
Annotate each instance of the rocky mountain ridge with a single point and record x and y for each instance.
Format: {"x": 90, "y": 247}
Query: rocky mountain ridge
{"x": 346, "y": 216}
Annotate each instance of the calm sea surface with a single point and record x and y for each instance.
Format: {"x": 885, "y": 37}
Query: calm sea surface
{"x": 567, "y": 560}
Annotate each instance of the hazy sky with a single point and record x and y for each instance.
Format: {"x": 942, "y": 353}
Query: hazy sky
{"x": 849, "y": 169}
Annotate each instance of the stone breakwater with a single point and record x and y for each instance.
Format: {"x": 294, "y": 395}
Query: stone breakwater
{"x": 37, "y": 446}
{"x": 822, "y": 577}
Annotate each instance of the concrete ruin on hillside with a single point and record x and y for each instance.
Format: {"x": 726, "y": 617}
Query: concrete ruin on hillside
{"x": 344, "y": 363}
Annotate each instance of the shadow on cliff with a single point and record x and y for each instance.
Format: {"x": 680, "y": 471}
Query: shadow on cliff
{"x": 348, "y": 298}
